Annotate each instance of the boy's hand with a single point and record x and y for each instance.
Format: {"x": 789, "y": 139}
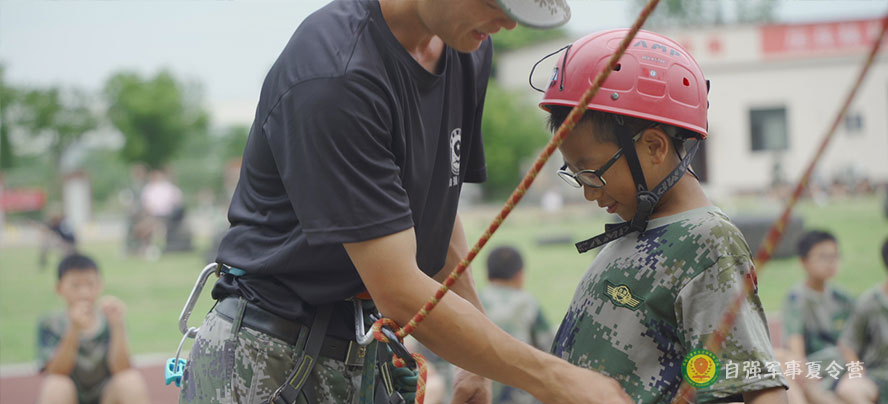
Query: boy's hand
{"x": 81, "y": 315}
{"x": 113, "y": 309}
{"x": 469, "y": 388}
{"x": 585, "y": 386}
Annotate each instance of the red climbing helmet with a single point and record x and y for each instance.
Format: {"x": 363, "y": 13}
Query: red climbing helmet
{"x": 656, "y": 79}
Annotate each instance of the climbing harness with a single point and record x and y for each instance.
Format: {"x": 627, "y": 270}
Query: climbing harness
{"x": 298, "y": 379}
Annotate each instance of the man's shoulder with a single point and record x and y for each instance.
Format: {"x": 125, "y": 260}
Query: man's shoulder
{"x": 324, "y": 45}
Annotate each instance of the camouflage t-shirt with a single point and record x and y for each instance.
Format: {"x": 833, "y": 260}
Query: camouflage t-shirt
{"x": 518, "y": 313}
{"x": 818, "y": 317}
{"x": 649, "y": 299}
{"x": 90, "y": 373}
{"x": 866, "y": 331}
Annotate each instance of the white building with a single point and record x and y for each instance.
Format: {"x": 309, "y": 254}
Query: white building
{"x": 776, "y": 90}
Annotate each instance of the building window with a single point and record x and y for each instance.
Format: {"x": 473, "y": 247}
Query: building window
{"x": 768, "y": 129}
{"x": 854, "y": 123}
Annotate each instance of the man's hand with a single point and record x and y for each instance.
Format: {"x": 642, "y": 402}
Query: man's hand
{"x": 469, "y": 388}
{"x": 113, "y": 309}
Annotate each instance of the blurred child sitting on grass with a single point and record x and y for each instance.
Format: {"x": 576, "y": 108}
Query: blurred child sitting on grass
{"x": 82, "y": 351}
{"x": 814, "y": 314}
{"x": 864, "y": 343}
{"x": 514, "y": 310}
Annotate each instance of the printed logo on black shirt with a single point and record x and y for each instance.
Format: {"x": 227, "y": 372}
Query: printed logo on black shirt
{"x": 455, "y": 140}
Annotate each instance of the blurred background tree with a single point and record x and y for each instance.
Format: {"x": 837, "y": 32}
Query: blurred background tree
{"x": 58, "y": 118}
{"x": 514, "y": 128}
{"x": 513, "y": 133}
{"x": 8, "y": 96}
{"x": 155, "y": 115}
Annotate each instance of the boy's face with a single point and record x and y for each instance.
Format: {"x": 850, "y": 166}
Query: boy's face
{"x": 582, "y": 151}
{"x": 822, "y": 261}
{"x": 80, "y": 286}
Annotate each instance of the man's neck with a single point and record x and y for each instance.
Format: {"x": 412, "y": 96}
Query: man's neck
{"x": 402, "y": 18}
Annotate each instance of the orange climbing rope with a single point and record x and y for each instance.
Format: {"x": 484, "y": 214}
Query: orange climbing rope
{"x": 775, "y": 233}
{"x": 575, "y": 114}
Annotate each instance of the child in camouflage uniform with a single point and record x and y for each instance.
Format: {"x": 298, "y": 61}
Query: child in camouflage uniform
{"x": 83, "y": 351}
{"x": 865, "y": 340}
{"x": 814, "y": 314}
{"x": 659, "y": 289}
{"x": 514, "y": 310}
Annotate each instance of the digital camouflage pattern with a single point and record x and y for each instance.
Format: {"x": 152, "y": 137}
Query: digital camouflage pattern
{"x": 648, "y": 299}
{"x": 518, "y": 313}
{"x": 819, "y": 318}
{"x": 90, "y": 373}
{"x": 247, "y": 366}
{"x": 866, "y": 332}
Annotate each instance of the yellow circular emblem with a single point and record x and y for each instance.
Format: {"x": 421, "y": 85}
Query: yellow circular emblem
{"x": 622, "y": 294}
{"x": 700, "y": 368}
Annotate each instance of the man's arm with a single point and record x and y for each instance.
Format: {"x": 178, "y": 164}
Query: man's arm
{"x": 458, "y": 249}
{"x": 467, "y": 387}
{"x": 462, "y": 335}
{"x": 118, "y": 349}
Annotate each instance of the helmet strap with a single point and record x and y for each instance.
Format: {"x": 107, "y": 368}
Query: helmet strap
{"x": 646, "y": 200}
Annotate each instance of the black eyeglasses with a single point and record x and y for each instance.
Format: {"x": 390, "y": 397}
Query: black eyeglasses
{"x": 589, "y": 178}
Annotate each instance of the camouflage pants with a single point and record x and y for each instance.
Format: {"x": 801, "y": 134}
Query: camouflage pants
{"x": 230, "y": 364}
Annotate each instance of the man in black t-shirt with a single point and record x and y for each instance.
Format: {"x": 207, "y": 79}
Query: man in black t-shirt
{"x": 367, "y": 126}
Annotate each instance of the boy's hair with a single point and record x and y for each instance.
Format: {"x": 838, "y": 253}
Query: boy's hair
{"x": 504, "y": 263}
{"x": 885, "y": 253}
{"x": 605, "y": 124}
{"x": 76, "y": 262}
{"x": 812, "y": 238}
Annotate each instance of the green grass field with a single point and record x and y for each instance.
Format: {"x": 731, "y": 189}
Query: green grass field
{"x": 155, "y": 291}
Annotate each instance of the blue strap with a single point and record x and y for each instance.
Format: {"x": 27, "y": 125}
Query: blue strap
{"x": 233, "y": 271}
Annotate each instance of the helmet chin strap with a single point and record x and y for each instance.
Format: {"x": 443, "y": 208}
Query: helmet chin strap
{"x": 646, "y": 199}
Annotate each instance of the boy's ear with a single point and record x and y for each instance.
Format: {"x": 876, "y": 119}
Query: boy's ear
{"x": 655, "y": 144}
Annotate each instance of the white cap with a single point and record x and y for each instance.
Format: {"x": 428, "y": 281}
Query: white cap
{"x": 537, "y": 13}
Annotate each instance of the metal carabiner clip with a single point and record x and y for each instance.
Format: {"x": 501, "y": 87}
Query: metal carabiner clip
{"x": 174, "y": 368}
{"x": 361, "y": 337}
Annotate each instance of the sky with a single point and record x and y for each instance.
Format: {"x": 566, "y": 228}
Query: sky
{"x": 227, "y": 46}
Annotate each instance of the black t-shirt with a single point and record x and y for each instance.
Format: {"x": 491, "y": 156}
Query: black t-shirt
{"x": 352, "y": 140}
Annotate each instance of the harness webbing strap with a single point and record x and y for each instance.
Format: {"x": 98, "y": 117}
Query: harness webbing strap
{"x": 289, "y": 392}
{"x": 615, "y": 231}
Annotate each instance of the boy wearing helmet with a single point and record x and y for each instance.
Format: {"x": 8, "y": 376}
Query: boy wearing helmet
{"x": 657, "y": 291}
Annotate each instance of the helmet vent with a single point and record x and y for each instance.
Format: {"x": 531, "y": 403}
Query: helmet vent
{"x": 618, "y": 67}
{"x": 686, "y": 82}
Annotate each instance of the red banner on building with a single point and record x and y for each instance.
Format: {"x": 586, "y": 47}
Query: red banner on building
{"x": 818, "y": 38}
